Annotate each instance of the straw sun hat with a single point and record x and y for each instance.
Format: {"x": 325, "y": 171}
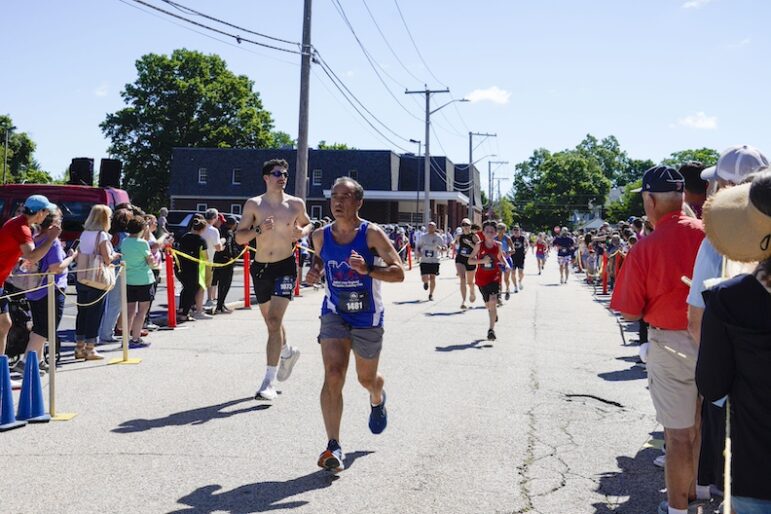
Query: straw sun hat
{"x": 737, "y": 220}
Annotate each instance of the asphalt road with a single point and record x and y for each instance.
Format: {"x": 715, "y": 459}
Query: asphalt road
{"x": 554, "y": 417}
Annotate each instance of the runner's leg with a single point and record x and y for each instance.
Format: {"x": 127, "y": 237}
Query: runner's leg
{"x": 369, "y": 378}
{"x": 335, "y": 353}
{"x": 461, "y": 269}
{"x": 471, "y": 286}
{"x": 273, "y": 313}
{"x": 431, "y": 284}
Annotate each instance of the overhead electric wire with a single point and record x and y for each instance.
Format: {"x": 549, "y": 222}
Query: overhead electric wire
{"x": 222, "y": 22}
{"x": 372, "y": 62}
{"x": 238, "y": 38}
{"x": 420, "y": 55}
{"x": 385, "y": 39}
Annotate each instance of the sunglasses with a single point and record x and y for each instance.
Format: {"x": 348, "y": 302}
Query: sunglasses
{"x": 277, "y": 174}
{"x": 465, "y": 225}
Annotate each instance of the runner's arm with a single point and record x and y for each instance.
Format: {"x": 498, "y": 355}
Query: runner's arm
{"x": 317, "y": 265}
{"x": 474, "y": 253}
{"x": 502, "y": 259}
{"x": 303, "y": 221}
{"x": 393, "y": 271}
{"x": 245, "y": 233}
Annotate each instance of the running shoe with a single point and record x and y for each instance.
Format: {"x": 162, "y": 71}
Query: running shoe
{"x": 19, "y": 368}
{"x": 378, "y": 417}
{"x": 266, "y": 392}
{"x": 500, "y": 302}
{"x": 508, "y": 295}
{"x": 463, "y": 306}
{"x": 285, "y": 365}
{"x": 331, "y": 459}
{"x": 152, "y": 327}
{"x": 661, "y": 460}
{"x": 516, "y": 290}
{"x": 430, "y": 297}
{"x": 521, "y": 287}
{"x": 472, "y": 297}
{"x": 201, "y": 315}
{"x": 491, "y": 335}
{"x": 425, "y": 286}
{"x": 208, "y": 305}
{"x": 138, "y": 343}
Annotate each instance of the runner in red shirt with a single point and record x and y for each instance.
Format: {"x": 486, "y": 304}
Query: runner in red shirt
{"x": 16, "y": 241}
{"x": 487, "y": 255}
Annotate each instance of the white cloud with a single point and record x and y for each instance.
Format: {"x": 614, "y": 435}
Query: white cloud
{"x": 101, "y": 90}
{"x": 698, "y": 121}
{"x": 744, "y": 42}
{"x": 695, "y": 4}
{"x": 491, "y": 94}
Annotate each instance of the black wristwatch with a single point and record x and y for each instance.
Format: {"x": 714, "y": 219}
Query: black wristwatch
{"x": 258, "y": 230}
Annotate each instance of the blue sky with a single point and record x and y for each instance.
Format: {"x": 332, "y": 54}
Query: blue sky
{"x": 661, "y": 75}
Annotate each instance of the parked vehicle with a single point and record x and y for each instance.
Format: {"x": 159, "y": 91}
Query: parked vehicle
{"x": 74, "y": 201}
{"x": 179, "y": 222}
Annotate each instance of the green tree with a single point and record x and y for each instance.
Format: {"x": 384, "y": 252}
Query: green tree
{"x": 323, "y": 145}
{"x": 612, "y": 159}
{"x": 282, "y": 140}
{"x": 187, "y": 99}
{"x": 630, "y": 204}
{"x": 22, "y": 167}
{"x": 706, "y": 156}
{"x": 633, "y": 171}
{"x": 506, "y": 211}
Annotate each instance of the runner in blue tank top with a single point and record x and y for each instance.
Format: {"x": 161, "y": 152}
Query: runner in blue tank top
{"x": 356, "y": 257}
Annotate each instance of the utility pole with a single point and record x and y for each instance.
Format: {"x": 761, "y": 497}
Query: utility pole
{"x": 499, "y": 180}
{"x": 471, "y": 170}
{"x": 301, "y": 173}
{"x": 490, "y": 175}
{"x": 5, "y": 152}
{"x": 417, "y": 183}
{"x": 426, "y": 149}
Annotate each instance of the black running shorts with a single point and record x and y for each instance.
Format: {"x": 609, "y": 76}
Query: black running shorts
{"x": 274, "y": 279}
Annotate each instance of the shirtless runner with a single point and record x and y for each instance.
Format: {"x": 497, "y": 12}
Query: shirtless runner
{"x": 276, "y": 220}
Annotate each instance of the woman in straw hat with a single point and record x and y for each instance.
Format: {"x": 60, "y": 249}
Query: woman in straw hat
{"x": 735, "y": 349}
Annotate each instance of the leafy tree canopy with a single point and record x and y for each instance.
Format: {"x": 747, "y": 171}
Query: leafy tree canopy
{"x": 707, "y": 156}
{"x": 323, "y": 145}
{"x": 22, "y": 166}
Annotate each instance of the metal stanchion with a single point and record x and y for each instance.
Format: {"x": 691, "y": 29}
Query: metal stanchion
{"x": 124, "y": 321}
{"x": 171, "y": 316}
{"x": 247, "y": 278}
{"x": 61, "y": 416}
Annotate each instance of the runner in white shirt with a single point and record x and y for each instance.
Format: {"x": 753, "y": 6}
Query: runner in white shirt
{"x": 429, "y": 248}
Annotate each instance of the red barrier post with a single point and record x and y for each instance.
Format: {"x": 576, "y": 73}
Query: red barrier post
{"x": 171, "y": 297}
{"x": 247, "y": 279}
{"x": 409, "y": 257}
{"x": 605, "y": 273}
{"x": 299, "y": 271}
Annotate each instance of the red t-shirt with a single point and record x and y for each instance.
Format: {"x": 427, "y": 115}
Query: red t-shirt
{"x": 490, "y": 272}
{"x": 649, "y": 282}
{"x": 14, "y": 233}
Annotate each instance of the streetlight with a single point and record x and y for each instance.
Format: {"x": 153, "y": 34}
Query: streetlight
{"x": 417, "y": 186}
{"x": 5, "y": 153}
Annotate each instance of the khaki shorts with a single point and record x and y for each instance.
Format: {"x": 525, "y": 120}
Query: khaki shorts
{"x": 672, "y": 377}
{"x": 209, "y": 276}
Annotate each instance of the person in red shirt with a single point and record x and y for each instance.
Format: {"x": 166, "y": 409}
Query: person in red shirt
{"x": 650, "y": 287}
{"x": 16, "y": 241}
{"x": 487, "y": 254}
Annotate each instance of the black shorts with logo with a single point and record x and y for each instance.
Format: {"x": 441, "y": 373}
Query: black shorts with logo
{"x": 274, "y": 279}
{"x": 493, "y": 288}
{"x": 518, "y": 261}
{"x": 429, "y": 268}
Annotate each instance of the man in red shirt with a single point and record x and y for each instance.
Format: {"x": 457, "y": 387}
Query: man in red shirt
{"x": 649, "y": 287}
{"x": 16, "y": 241}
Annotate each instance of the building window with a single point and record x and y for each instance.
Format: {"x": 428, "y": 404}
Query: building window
{"x": 235, "y": 208}
{"x": 201, "y": 207}
{"x": 316, "y": 212}
{"x": 203, "y": 175}
{"x": 236, "y": 176}
{"x": 316, "y": 177}
{"x": 354, "y": 174}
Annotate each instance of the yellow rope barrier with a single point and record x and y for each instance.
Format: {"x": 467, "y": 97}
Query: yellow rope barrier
{"x": 176, "y": 253}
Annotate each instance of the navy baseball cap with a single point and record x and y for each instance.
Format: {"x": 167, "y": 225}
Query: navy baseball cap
{"x": 37, "y": 203}
{"x": 662, "y": 179}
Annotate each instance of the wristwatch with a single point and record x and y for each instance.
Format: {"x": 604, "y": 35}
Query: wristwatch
{"x": 258, "y": 230}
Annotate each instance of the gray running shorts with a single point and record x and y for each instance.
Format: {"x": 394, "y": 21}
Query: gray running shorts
{"x": 366, "y": 342}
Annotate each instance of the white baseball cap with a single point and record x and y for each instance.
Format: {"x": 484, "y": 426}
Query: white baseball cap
{"x": 735, "y": 163}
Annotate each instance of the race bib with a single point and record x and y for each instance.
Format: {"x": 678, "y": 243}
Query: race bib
{"x": 428, "y": 253}
{"x": 284, "y": 286}
{"x": 352, "y": 302}
{"x": 488, "y": 265}
{"x": 465, "y": 251}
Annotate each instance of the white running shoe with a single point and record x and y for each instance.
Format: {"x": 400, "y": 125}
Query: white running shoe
{"x": 521, "y": 287}
{"x": 285, "y": 365}
{"x": 201, "y": 315}
{"x": 266, "y": 392}
{"x": 209, "y": 304}
{"x": 661, "y": 460}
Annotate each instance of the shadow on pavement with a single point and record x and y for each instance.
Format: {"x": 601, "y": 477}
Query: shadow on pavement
{"x": 473, "y": 345}
{"x": 633, "y": 373}
{"x": 261, "y": 496}
{"x": 453, "y": 313}
{"x": 409, "y": 302}
{"x": 189, "y": 417}
{"x": 639, "y": 482}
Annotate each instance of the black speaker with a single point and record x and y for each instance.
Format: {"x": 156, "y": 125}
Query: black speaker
{"x": 82, "y": 171}
{"x": 109, "y": 172}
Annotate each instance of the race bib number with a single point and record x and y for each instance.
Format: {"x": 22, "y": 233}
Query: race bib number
{"x": 488, "y": 265}
{"x": 284, "y": 286}
{"x": 428, "y": 253}
{"x": 352, "y": 302}
{"x": 465, "y": 251}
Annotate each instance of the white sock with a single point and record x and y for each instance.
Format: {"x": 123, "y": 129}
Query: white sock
{"x": 702, "y": 492}
{"x": 286, "y": 351}
{"x": 677, "y": 511}
{"x": 270, "y": 374}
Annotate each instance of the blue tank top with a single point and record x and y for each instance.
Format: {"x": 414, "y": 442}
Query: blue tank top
{"x": 355, "y": 298}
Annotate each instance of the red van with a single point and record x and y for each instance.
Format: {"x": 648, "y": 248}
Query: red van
{"x": 74, "y": 201}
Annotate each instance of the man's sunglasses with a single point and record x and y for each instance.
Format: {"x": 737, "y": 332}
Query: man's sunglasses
{"x": 277, "y": 174}
{"x": 465, "y": 225}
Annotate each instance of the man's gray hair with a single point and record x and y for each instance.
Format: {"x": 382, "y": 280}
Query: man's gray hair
{"x": 211, "y": 214}
{"x": 358, "y": 191}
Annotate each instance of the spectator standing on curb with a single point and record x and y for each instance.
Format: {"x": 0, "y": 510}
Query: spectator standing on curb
{"x": 95, "y": 239}
{"x": 649, "y": 286}
{"x": 120, "y": 219}
{"x": 213, "y": 244}
{"x": 735, "y": 344}
{"x": 223, "y": 275}
{"x": 189, "y": 272}
{"x": 162, "y": 222}
{"x": 140, "y": 281}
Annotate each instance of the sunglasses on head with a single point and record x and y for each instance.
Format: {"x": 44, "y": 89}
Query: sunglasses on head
{"x": 277, "y": 174}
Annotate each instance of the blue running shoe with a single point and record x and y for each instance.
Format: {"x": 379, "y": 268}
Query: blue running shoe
{"x": 138, "y": 343}
{"x": 378, "y": 417}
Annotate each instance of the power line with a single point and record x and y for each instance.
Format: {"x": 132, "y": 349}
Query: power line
{"x": 393, "y": 52}
{"x": 371, "y": 61}
{"x": 407, "y": 28}
{"x": 238, "y": 38}
{"x": 184, "y": 8}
